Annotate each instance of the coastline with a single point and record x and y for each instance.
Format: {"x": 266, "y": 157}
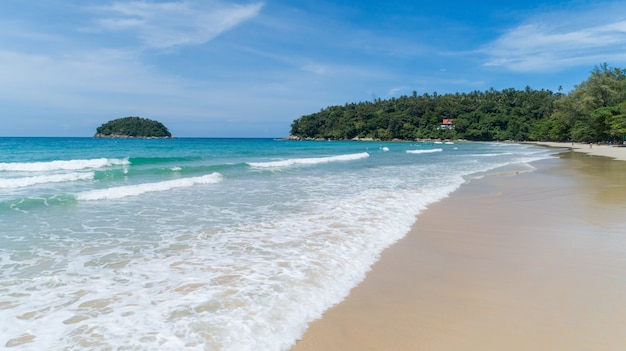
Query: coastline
{"x": 615, "y": 152}
{"x": 507, "y": 262}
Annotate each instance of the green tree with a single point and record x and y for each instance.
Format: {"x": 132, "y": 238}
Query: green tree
{"x": 133, "y": 127}
{"x": 613, "y": 121}
{"x": 573, "y": 113}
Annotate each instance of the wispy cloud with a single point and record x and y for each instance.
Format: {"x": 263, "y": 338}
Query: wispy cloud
{"x": 315, "y": 68}
{"x": 560, "y": 40}
{"x": 79, "y": 78}
{"x": 171, "y": 24}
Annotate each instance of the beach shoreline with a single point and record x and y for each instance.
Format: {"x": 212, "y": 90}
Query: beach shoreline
{"x": 617, "y": 152}
{"x": 507, "y": 262}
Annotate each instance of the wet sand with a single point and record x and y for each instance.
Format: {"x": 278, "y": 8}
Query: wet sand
{"x": 533, "y": 261}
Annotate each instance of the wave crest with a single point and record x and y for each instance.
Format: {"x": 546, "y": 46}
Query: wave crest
{"x": 423, "y": 151}
{"x": 62, "y": 165}
{"x": 309, "y": 161}
{"x": 139, "y": 189}
{"x": 9, "y": 183}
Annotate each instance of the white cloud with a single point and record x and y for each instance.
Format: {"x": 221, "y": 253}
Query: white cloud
{"x": 397, "y": 90}
{"x": 314, "y": 68}
{"x": 561, "y": 40}
{"x": 82, "y": 80}
{"x": 172, "y": 24}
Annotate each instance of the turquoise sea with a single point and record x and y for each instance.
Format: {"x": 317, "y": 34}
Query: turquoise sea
{"x": 206, "y": 244}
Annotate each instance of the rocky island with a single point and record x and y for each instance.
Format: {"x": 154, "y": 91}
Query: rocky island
{"x": 132, "y": 127}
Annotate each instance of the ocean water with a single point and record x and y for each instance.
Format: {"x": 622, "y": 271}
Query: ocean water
{"x": 206, "y": 244}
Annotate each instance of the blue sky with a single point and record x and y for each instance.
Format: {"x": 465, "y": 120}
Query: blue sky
{"x": 249, "y": 68}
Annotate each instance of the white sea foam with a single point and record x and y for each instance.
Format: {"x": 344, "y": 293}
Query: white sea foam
{"x": 139, "y": 189}
{"x": 309, "y": 161}
{"x": 62, "y": 165}
{"x": 8, "y": 183}
{"x": 428, "y": 151}
{"x": 243, "y": 267}
{"x": 490, "y": 154}
{"x": 246, "y": 287}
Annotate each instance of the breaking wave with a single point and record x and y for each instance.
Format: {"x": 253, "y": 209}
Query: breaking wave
{"x": 309, "y": 161}
{"x": 423, "y": 151}
{"x": 8, "y": 183}
{"x": 139, "y": 189}
{"x": 62, "y": 165}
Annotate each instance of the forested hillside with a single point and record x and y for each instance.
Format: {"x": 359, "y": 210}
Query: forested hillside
{"x": 594, "y": 111}
{"x": 132, "y": 127}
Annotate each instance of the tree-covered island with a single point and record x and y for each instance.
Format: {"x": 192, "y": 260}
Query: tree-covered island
{"x": 132, "y": 127}
{"x": 594, "y": 111}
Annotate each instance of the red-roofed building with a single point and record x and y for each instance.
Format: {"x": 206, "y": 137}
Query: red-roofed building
{"x": 447, "y": 123}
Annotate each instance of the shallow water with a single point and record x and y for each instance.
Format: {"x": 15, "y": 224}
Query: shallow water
{"x": 205, "y": 244}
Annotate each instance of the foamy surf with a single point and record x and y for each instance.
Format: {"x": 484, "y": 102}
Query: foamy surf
{"x": 139, "y": 189}
{"x": 241, "y": 265}
{"x": 309, "y": 161}
{"x": 61, "y": 165}
{"x": 428, "y": 151}
{"x": 20, "y": 182}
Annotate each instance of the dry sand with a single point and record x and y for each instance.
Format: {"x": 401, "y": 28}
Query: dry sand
{"x": 535, "y": 261}
{"x": 616, "y": 152}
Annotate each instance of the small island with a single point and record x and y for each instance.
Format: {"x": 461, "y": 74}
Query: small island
{"x": 132, "y": 127}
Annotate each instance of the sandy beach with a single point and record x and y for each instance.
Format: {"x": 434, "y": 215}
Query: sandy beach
{"x": 533, "y": 261}
{"x": 615, "y": 152}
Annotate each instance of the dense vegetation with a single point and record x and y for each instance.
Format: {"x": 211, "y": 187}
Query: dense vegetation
{"x": 594, "y": 111}
{"x": 132, "y": 127}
